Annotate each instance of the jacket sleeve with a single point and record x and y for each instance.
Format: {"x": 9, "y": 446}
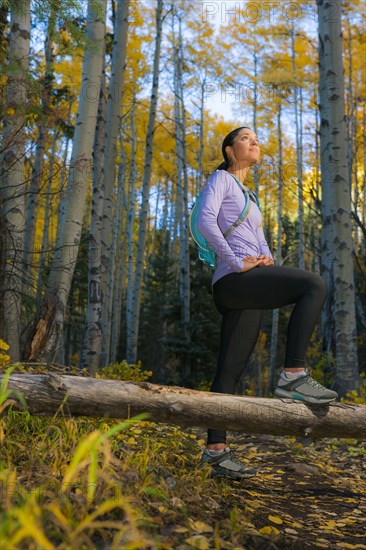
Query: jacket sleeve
{"x": 210, "y": 203}
{"x": 263, "y": 245}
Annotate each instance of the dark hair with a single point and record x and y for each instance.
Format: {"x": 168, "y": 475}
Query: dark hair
{"x": 228, "y": 140}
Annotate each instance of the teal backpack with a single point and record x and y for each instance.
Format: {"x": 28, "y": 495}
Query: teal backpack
{"x": 205, "y": 252}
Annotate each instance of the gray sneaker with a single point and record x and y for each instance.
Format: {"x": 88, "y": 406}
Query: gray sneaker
{"x": 304, "y": 388}
{"x": 225, "y": 465}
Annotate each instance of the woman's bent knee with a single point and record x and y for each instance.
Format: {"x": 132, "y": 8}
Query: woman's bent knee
{"x": 320, "y": 284}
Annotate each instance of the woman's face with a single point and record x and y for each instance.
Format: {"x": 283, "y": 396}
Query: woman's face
{"x": 245, "y": 149}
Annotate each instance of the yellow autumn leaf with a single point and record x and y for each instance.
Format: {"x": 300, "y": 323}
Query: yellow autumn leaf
{"x": 275, "y": 519}
{"x": 351, "y": 546}
{"x": 200, "y": 526}
{"x": 330, "y": 523}
{"x": 3, "y": 345}
{"x": 180, "y": 530}
{"x": 198, "y": 541}
{"x": 291, "y": 531}
{"x": 269, "y": 530}
{"x": 295, "y": 524}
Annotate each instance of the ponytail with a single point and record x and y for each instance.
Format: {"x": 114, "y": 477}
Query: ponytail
{"x": 223, "y": 166}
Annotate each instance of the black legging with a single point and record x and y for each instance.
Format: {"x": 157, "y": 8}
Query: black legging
{"x": 240, "y": 297}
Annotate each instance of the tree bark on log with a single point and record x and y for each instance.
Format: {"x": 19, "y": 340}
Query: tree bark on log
{"x": 99, "y": 397}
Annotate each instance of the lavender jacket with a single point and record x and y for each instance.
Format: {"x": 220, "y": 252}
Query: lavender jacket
{"x": 221, "y": 204}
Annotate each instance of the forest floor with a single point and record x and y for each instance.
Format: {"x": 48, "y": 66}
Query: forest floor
{"x": 84, "y": 483}
{"x": 63, "y": 485}
{"x": 305, "y": 495}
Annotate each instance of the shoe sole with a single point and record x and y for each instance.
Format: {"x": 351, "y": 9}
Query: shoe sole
{"x": 308, "y": 399}
{"x": 215, "y": 473}
{"x": 221, "y": 473}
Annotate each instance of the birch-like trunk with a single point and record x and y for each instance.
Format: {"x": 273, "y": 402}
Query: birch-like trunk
{"x": 92, "y": 342}
{"x": 116, "y": 260}
{"x": 363, "y": 213}
{"x": 338, "y": 249}
{"x": 37, "y": 173}
{"x": 184, "y": 229}
{"x": 200, "y": 181}
{"x": 351, "y": 131}
{"x": 110, "y": 155}
{"x": 142, "y": 238}
{"x": 45, "y": 339}
{"x": 12, "y": 190}
{"x": 275, "y": 313}
{"x": 255, "y": 129}
{"x": 48, "y": 217}
{"x": 121, "y": 255}
{"x": 153, "y": 236}
{"x": 298, "y": 155}
{"x": 131, "y": 222}
{"x": 179, "y": 137}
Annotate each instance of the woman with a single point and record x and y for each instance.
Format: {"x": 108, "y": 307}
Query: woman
{"x": 246, "y": 282}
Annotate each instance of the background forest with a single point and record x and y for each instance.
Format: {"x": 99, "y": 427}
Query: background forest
{"x": 112, "y": 117}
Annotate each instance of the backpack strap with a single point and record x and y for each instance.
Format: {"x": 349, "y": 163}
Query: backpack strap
{"x": 242, "y": 216}
{"x": 245, "y": 188}
{"x": 248, "y": 194}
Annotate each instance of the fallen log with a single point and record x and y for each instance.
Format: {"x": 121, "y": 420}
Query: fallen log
{"x": 96, "y": 397}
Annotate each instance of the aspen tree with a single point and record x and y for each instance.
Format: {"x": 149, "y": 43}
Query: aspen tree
{"x": 45, "y": 339}
{"x": 130, "y": 199}
{"x": 12, "y": 176}
{"x": 142, "y": 232}
{"x": 182, "y": 182}
{"x": 92, "y": 341}
{"x": 39, "y": 161}
{"x": 298, "y": 132}
{"x": 337, "y": 246}
{"x": 275, "y": 313}
{"x": 110, "y": 154}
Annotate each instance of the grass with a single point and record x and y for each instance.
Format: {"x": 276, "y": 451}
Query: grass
{"x": 70, "y": 483}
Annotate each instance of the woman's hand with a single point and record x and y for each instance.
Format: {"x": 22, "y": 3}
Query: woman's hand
{"x": 249, "y": 262}
{"x": 253, "y": 261}
{"x": 265, "y": 260}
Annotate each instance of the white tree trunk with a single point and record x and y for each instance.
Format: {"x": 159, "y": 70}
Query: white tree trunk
{"x": 92, "y": 342}
{"x": 298, "y": 154}
{"x": 110, "y": 155}
{"x": 98, "y": 397}
{"x": 12, "y": 189}
{"x": 48, "y": 217}
{"x": 46, "y": 339}
{"x": 116, "y": 261}
{"x": 37, "y": 173}
{"x": 131, "y": 222}
{"x": 335, "y": 181}
{"x": 275, "y": 313}
{"x": 141, "y": 243}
